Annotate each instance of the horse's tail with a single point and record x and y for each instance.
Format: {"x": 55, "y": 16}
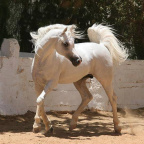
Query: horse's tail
{"x": 105, "y": 35}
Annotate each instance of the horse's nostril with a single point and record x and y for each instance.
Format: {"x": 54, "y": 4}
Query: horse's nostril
{"x": 79, "y": 60}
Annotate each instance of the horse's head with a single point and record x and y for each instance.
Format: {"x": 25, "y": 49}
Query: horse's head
{"x": 65, "y": 46}
{"x": 62, "y": 37}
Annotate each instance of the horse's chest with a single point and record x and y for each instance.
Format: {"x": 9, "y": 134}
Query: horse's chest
{"x": 44, "y": 73}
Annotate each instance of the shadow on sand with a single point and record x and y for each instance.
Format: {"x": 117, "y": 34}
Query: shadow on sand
{"x": 90, "y": 124}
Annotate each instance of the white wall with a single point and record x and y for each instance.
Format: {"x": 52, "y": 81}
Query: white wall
{"x": 17, "y": 94}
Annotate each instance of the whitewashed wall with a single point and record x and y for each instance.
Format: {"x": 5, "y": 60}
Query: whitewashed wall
{"x": 17, "y": 94}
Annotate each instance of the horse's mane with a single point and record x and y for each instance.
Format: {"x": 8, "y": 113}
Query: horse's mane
{"x": 37, "y": 36}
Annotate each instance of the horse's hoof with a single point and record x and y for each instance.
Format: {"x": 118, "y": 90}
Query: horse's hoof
{"x": 51, "y": 130}
{"x": 37, "y": 129}
{"x": 45, "y": 132}
{"x": 72, "y": 127}
{"x": 118, "y": 129}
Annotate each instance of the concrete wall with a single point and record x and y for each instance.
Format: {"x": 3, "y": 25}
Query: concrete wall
{"x": 17, "y": 94}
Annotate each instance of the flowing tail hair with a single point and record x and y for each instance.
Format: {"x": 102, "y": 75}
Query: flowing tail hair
{"x": 105, "y": 35}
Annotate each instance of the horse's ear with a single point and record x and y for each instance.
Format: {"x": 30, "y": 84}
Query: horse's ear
{"x": 64, "y": 31}
{"x": 72, "y": 27}
{"x": 33, "y": 35}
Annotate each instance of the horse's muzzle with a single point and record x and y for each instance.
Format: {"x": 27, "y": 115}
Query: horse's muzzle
{"x": 76, "y": 60}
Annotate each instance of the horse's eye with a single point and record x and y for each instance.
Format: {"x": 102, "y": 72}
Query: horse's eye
{"x": 66, "y": 44}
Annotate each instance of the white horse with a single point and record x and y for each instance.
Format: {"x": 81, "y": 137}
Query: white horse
{"x": 59, "y": 60}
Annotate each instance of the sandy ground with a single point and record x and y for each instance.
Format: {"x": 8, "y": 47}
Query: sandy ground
{"x": 93, "y": 128}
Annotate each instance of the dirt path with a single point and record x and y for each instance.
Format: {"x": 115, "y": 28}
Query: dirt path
{"x": 93, "y": 128}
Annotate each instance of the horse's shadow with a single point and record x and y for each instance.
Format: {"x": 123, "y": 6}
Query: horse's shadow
{"x": 89, "y": 125}
{"x": 85, "y": 132}
{"x": 84, "y": 129}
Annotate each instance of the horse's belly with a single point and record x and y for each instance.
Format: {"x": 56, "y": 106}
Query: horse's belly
{"x": 73, "y": 75}
{"x": 66, "y": 80}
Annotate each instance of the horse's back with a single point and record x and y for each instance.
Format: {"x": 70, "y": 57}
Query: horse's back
{"x": 94, "y": 52}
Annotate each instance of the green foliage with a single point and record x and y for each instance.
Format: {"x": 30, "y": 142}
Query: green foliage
{"x": 19, "y": 17}
{"x": 4, "y": 14}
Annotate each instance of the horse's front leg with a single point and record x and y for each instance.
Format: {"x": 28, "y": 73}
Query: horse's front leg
{"x": 37, "y": 122}
{"x": 40, "y": 104}
{"x": 86, "y": 98}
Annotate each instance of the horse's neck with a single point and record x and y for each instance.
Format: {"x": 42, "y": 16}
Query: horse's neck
{"x": 46, "y": 52}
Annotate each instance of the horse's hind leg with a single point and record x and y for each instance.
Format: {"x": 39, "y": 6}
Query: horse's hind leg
{"x": 113, "y": 101}
{"x": 107, "y": 85}
{"x": 86, "y": 98}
